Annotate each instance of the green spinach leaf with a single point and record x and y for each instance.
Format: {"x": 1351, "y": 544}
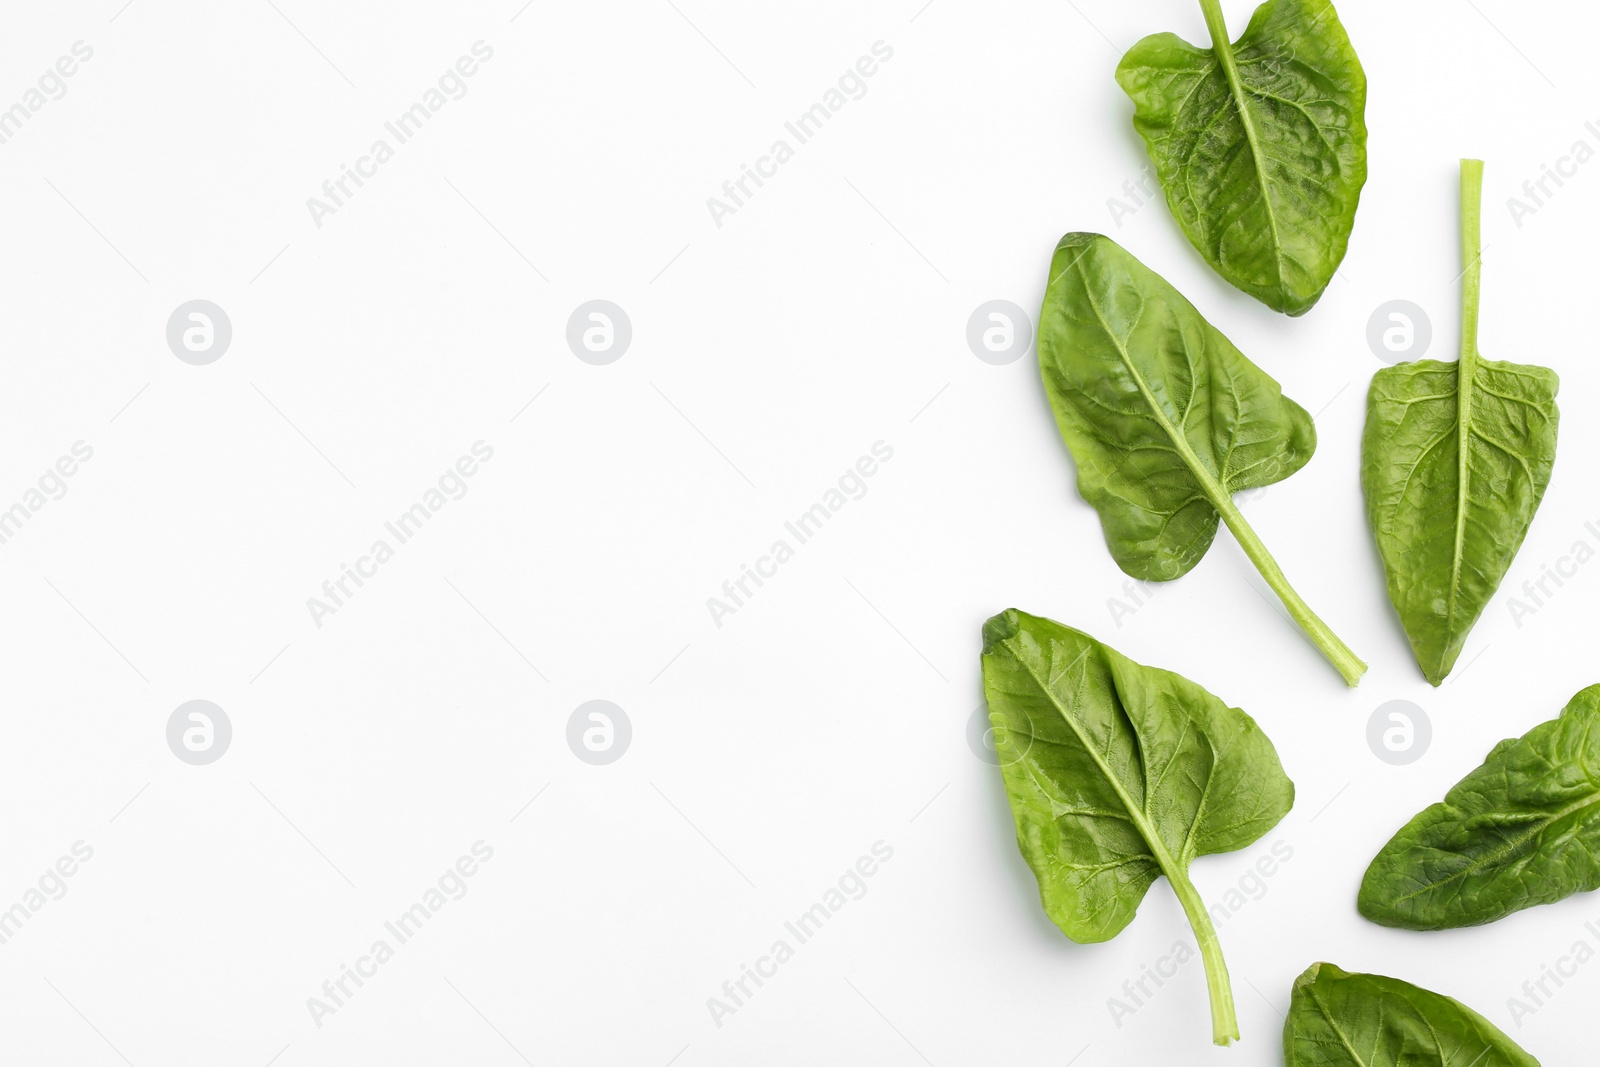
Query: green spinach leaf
{"x": 1166, "y": 420}
{"x": 1454, "y": 461}
{"x": 1260, "y": 145}
{"x": 1522, "y": 829}
{"x": 1118, "y": 773}
{"x": 1338, "y": 1019}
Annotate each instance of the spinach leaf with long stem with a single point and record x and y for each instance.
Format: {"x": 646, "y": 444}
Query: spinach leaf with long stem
{"x": 1119, "y": 773}
{"x": 1166, "y": 420}
{"x": 1454, "y": 461}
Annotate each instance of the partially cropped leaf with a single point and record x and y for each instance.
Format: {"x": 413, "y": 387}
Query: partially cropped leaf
{"x": 1260, "y": 145}
{"x": 1166, "y": 419}
{"x": 1338, "y": 1019}
{"x": 1521, "y": 830}
{"x": 1454, "y": 462}
{"x": 1118, "y": 773}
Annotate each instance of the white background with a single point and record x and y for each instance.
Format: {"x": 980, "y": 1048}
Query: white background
{"x": 831, "y": 711}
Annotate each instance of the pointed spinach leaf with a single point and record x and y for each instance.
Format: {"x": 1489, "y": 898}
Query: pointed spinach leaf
{"x": 1338, "y": 1019}
{"x": 1454, "y": 461}
{"x": 1166, "y": 420}
{"x": 1118, "y": 773}
{"x": 1522, "y": 829}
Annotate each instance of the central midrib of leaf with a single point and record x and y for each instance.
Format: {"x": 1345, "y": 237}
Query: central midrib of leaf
{"x": 1463, "y": 474}
{"x": 1333, "y": 1025}
{"x": 1209, "y": 485}
{"x": 1136, "y": 813}
{"x": 1515, "y": 842}
{"x": 1223, "y": 49}
{"x": 1466, "y": 377}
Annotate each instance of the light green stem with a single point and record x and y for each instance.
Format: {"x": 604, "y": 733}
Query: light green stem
{"x": 1222, "y": 48}
{"x": 1345, "y": 661}
{"x": 1219, "y": 38}
{"x": 1471, "y": 279}
{"x": 1224, "y": 1023}
{"x": 1471, "y": 260}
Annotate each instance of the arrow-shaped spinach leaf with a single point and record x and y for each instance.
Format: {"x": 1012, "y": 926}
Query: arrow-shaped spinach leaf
{"x": 1338, "y": 1019}
{"x": 1521, "y": 830}
{"x": 1167, "y": 420}
{"x": 1118, "y": 773}
{"x": 1454, "y": 462}
{"x": 1260, "y": 145}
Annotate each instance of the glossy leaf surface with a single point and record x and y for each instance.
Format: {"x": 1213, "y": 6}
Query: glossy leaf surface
{"x": 1259, "y": 144}
{"x": 1118, "y": 773}
{"x": 1338, "y": 1019}
{"x": 1166, "y": 420}
{"x": 1455, "y": 459}
{"x": 1522, "y": 829}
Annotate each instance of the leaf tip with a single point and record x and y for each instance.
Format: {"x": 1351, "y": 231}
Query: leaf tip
{"x": 1311, "y": 973}
{"x": 1080, "y": 239}
{"x": 1001, "y": 628}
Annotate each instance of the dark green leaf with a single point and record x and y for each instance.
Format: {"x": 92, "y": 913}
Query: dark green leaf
{"x": 1454, "y": 462}
{"x": 1260, "y": 145}
{"x": 1118, "y": 773}
{"x": 1166, "y": 419}
{"x": 1338, "y": 1019}
{"x": 1522, "y": 829}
